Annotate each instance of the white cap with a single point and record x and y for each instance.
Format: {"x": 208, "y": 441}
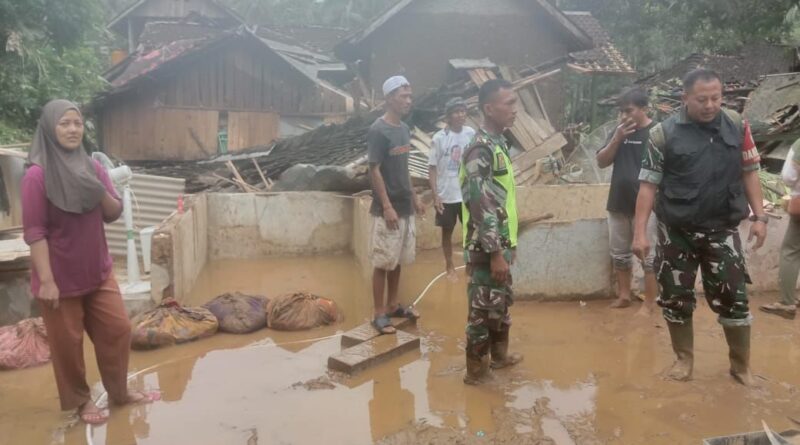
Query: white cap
{"x": 394, "y": 83}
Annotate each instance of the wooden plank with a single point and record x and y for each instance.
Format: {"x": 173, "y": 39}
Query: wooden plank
{"x": 267, "y": 182}
{"x": 423, "y": 137}
{"x": 525, "y": 138}
{"x": 524, "y": 161}
{"x": 248, "y": 129}
{"x": 373, "y": 352}
{"x": 539, "y": 133}
{"x": 541, "y": 105}
{"x": 550, "y": 146}
{"x": 366, "y": 332}
{"x": 525, "y": 96}
{"x": 238, "y": 179}
{"x": 529, "y": 126}
{"x": 530, "y": 80}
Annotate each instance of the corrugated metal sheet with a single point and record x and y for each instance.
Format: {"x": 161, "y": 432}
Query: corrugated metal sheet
{"x": 154, "y": 199}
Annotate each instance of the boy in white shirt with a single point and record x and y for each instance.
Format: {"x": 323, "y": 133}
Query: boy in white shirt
{"x": 443, "y": 165}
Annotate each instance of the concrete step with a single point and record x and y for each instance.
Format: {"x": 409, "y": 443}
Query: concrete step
{"x": 372, "y": 352}
{"x": 367, "y": 332}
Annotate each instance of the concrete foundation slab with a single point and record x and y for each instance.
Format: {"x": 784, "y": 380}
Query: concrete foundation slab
{"x": 373, "y": 352}
{"x": 367, "y": 332}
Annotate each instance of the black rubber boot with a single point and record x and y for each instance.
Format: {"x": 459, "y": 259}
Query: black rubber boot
{"x": 682, "y": 336}
{"x": 738, "y": 338}
{"x": 500, "y": 356}
{"x": 477, "y": 370}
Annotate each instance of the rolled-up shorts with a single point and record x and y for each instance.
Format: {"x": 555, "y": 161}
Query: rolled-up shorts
{"x": 392, "y": 248}
{"x": 620, "y": 231}
{"x": 448, "y": 218}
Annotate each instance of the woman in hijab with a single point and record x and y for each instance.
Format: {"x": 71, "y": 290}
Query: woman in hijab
{"x": 66, "y": 198}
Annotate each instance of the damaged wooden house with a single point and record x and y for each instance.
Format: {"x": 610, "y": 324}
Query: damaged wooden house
{"x": 415, "y": 38}
{"x": 195, "y": 87}
{"x": 533, "y": 54}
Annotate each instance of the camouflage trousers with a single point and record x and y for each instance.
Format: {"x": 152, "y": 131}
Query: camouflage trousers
{"x": 488, "y": 310}
{"x": 719, "y": 256}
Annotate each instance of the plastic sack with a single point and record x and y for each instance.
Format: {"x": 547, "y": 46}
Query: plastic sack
{"x": 238, "y": 313}
{"x": 298, "y": 311}
{"x": 170, "y": 323}
{"x": 24, "y": 344}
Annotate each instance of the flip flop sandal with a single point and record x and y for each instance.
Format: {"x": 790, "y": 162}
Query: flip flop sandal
{"x": 94, "y": 418}
{"x": 382, "y": 323}
{"x": 149, "y": 397}
{"x": 404, "y": 312}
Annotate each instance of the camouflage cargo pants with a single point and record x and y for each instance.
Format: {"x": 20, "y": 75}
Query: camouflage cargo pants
{"x": 488, "y": 310}
{"x": 719, "y": 256}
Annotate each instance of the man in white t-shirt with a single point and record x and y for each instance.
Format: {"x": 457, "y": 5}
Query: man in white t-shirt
{"x": 443, "y": 165}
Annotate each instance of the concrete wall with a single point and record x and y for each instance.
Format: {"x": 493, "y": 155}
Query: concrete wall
{"x": 566, "y": 257}
{"x": 563, "y": 260}
{"x": 180, "y": 250}
{"x": 550, "y": 253}
{"x": 291, "y": 223}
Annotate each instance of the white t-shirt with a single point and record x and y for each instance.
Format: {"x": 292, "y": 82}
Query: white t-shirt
{"x": 446, "y": 151}
{"x": 789, "y": 173}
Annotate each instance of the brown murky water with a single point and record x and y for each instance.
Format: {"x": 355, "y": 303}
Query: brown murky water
{"x": 590, "y": 376}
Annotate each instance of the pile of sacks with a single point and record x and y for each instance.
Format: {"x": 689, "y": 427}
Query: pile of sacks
{"x": 235, "y": 313}
{"x": 24, "y": 344}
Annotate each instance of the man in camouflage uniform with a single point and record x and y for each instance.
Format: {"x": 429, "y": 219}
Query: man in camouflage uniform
{"x": 490, "y": 235}
{"x": 703, "y": 165}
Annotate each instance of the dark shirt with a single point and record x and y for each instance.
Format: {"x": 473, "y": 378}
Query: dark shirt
{"x": 698, "y": 169}
{"x": 389, "y": 146}
{"x": 625, "y": 178}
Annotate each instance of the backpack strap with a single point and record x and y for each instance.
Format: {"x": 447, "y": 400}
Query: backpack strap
{"x": 737, "y": 119}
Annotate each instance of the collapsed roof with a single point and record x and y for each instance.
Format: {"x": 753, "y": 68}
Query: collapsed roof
{"x": 604, "y": 57}
{"x": 164, "y": 44}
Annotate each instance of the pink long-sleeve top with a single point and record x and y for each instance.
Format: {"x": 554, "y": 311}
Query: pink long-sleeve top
{"x": 79, "y": 256}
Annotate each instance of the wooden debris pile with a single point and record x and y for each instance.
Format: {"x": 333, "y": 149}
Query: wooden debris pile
{"x": 536, "y": 157}
{"x": 538, "y": 145}
{"x": 256, "y": 169}
{"x": 773, "y": 111}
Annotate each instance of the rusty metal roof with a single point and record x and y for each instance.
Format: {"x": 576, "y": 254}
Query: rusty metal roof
{"x": 159, "y": 54}
{"x": 604, "y": 57}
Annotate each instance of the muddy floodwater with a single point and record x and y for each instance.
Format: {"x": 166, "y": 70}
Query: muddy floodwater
{"x": 590, "y": 376}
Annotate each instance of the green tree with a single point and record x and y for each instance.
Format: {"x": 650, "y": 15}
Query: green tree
{"x": 48, "y": 49}
{"x": 654, "y": 33}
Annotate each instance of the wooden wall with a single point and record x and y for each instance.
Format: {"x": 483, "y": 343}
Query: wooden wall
{"x": 249, "y": 78}
{"x": 246, "y": 129}
{"x": 176, "y": 115}
{"x": 186, "y": 133}
{"x": 141, "y": 131}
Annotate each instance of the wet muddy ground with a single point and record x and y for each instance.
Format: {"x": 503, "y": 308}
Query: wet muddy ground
{"x": 590, "y": 376}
